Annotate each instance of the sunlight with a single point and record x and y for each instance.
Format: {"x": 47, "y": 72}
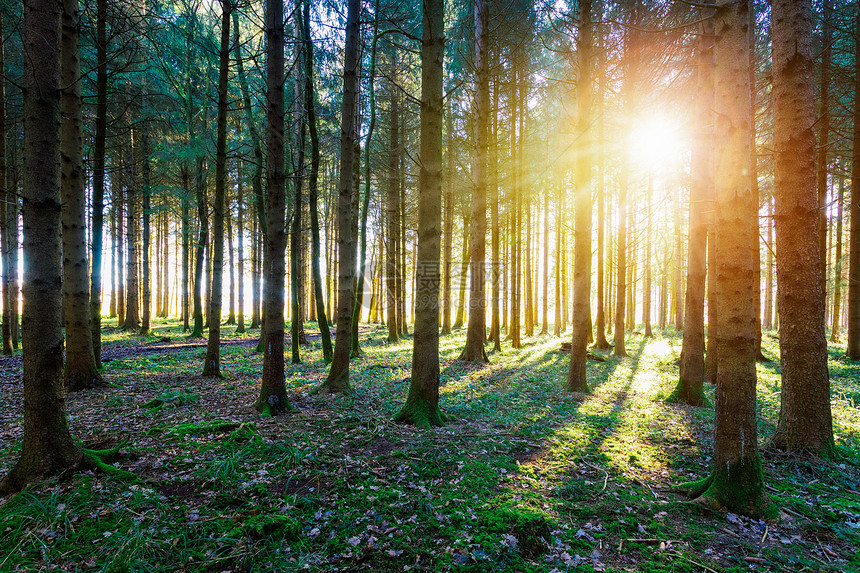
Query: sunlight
{"x": 656, "y": 142}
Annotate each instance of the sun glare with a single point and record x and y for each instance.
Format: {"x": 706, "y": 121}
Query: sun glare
{"x": 656, "y": 142}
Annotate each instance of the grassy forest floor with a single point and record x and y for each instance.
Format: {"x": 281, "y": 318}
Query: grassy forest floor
{"x": 528, "y": 478}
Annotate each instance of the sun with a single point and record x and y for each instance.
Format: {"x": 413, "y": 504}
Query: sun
{"x": 656, "y": 142}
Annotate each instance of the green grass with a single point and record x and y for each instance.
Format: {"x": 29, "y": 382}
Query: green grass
{"x": 528, "y": 478}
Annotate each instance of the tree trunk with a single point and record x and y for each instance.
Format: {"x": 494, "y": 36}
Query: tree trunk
{"x": 132, "y": 287}
{"x": 146, "y": 287}
{"x": 338, "y": 376}
{"x": 823, "y": 122}
{"x": 273, "y": 393}
{"x": 837, "y": 271}
{"x": 80, "y": 371}
{"x": 448, "y": 243}
{"x": 476, "y": 329}
{"x": 313, "y": 195}
{"x": 212, "y": 362}
{"x": 805, "y": 421}
{"x": 200, "y": 249}
{"x": 392, "y": 250}
{"x": 296, "y": 274}
{"x": 464, "y": 270}
{"x": 119, "y": 243}
{"x": 231, "y": 263}
{"x": 355, "y": 347}
{"x": 48, "y": 447}
{"x": 495, "y": 198}
{"x": 422, "y": 403}
{"x": 690, "y": 389}
{"x": 5, "y": 196}
{"x": 853, "y": 347}
{"x": 736, "y": 481}
{"x": 240, "y": 251}
{"x": 583, "y": 183}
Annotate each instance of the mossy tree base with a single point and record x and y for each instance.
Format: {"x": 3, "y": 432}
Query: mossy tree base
{"x": 422, "y": 414}
{"x": 84, "y": 381}
{"x": 273, "y": 405}
{"x": 738, "y": 488}
{"x": 30, "y": 470}
{"x": 803, "y": 444}
{"x": 335, "y": 384}
{"x": 477, "y": 354}
{"x": 687, "y": 394}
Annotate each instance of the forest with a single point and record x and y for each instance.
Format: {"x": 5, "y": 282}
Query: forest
{"x": 437, "y": 285}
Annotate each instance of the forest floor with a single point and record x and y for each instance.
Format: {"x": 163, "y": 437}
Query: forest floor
{"x": 528, "y": 478}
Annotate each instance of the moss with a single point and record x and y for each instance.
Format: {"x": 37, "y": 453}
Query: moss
{"x": 421, "y": 414}
{"x": 684, "y": 394}
{"x": 739, "y": 487}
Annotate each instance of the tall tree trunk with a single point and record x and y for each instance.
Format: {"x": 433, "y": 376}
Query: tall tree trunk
{"x": 5, "y": 196}
{"x": 495, "y": 198}
{"x": 823, "y": 122}
{"x": 132, "y": 311}
{"x": 296, "y": 274}
{"x": 583, "y": 183}
{"x": 448, "y": 221}
{"x": 678, "y": 281}
{"x": 212, "y": 362}
{"x": 736, "y": 481}
{"x": 690, "y": 389}
{"x": 355, "y": 349}
{"x": 48, "y": 447}
{"x": 186, "y": 249}
{"x": 476, "y": 330}
{"x": 273, "y": 393}
{"x": 464, "y": 270}
{"x": 98, "y": 193}
{"x": 118, "y": 195}
{"x": 767, "y": 319}
{"x": 200, "y": 248}
{"x": 837, "y": 271}
{"x": 338, "y": 376}
{"x": 805, "y": 421}
{"x": 146, "y": 286}
{"x": 422, "y": 403}
{"x": 231, "y": 264}
{"x": 313, "y": 195}
{"x": 240, "y": 250}
{"x": 646, "y": 287}
{"x": 80, "y": 370}
{"x": 392, "y": 250}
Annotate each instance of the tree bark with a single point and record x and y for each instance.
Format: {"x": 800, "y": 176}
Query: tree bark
{"x": 5, "y": 200}
{"x": 273, "y": 394}
{"x": 736, "y": 481}
{"x": 805, "y": 421}
{"x": 690, "y": 388}
{"x": 338, "y": 377}
{"x": 476, "y": 329}
{"x": 48, "y": 447}
{"x": 392, "y": 249}
{"x": 313, "y": 195}
{"x": 132, "y": 286}
{"x": 80, "y": 371}
{"x": 212, "y": 362}
{"x": 583, "y": 183}
{"x": 422, "y": 403}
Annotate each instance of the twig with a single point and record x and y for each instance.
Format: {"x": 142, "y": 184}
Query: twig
{"x": 696, "y": 563}
{"x": 763, "y": 537}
